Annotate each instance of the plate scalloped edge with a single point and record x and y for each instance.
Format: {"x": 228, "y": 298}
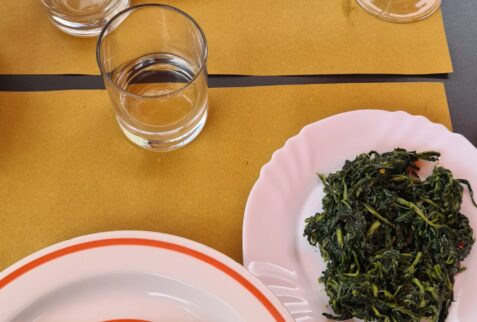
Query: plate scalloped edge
{"x": 282, "y": 280}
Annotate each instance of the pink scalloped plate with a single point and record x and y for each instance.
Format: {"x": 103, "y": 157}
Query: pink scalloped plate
{"x": 288, "y": 191}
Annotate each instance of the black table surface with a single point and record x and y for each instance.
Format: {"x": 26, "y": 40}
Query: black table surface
{"x": 461, "y": 86}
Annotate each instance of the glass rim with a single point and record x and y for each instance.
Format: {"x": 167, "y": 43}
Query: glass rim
{"x": 202, "y": 63}
{"x": 397, "y": 18}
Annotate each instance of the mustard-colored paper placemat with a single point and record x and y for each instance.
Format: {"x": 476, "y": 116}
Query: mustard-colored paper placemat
{"x": 266, "y": 37}
{"x": 66, "y": 170}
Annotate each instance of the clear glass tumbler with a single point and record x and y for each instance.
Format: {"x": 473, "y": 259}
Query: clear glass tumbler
{"x": 400, "y": 10}
{"x": 83, "y": 18}
{"x": 153, "y": 61}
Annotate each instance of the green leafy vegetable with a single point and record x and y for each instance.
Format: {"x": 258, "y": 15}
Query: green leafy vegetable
{"x": 392, "y": 242}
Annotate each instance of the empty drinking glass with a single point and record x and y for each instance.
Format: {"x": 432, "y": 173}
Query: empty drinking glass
{"x": 153, "y": 61}
{"x": 83, "y": 18}
{"x": 400, "y": 10}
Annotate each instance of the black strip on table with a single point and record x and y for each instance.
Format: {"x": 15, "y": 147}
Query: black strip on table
{"x": 33, "y": 83}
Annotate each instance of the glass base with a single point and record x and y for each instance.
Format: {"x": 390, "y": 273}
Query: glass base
{"x": 166, "y": 143}
{"x": 400, "y": 10}
{"x": 86, "y": 27}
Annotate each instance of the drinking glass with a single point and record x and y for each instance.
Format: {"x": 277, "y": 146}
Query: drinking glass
{"x": 153, "y": 61}
{"x": 400, "y": 10}
{"x": 83, "y": 18}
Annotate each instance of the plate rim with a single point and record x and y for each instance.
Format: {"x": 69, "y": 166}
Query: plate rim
{"x": 180, "y": 245}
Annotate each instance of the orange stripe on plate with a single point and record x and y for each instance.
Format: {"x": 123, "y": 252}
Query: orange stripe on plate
{"x": 150, "y": 243}
{"x": 126, "y": 320}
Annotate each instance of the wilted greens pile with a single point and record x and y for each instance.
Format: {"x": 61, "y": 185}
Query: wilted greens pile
{"x": 392, "y": 242}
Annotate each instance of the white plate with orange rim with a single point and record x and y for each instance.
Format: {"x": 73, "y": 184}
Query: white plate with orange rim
{"x": 133, "y": 276}
{"x": 288, "y": 191}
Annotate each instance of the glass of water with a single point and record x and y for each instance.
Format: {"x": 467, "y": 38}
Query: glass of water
{"x": 83, "y": 18}
{"x": 401, "y": 10}
{"x": 153, "y": 61}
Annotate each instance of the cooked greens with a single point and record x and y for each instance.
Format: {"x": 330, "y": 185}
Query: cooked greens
{"x": 392, "y": 242}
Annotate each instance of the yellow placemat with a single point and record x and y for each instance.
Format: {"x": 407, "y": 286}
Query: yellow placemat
{"x": 66, "y": 170}
{"x": 266, "y": 37}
